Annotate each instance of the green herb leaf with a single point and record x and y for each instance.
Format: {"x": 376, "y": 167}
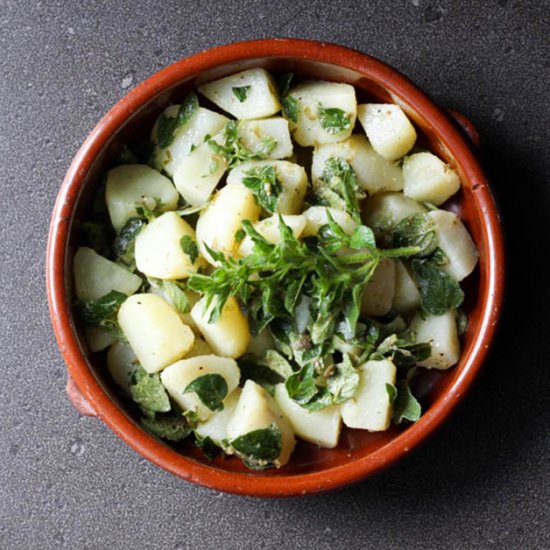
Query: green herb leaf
{"x": 167, "y": 126}
{"x": 344, "y": 381}
{"x": 149, "y": 208}
{"x": 123, "y": 245}
{"x": 208, "y": 447}
{"x": 169, "y": 428}
{"x": 363, "y": 237}
{"x": 302, "y": 387}
{"x": 416, "y": 232}
{"x": 405, "y": 406}
{"x": 263, "y": 182}
{"x": 391, "y": 390}
{"x": 189, "y": 247}
{"x": 283, "y": 83}
{"x": 334, "y": 120}
{"x": 259, "y": 447}
{"x": 187, "y": 109}
{"x": 211, "y": 389}
{"x": 148, "y": 392}
{"x": 267, "y": 371}
{"x": 439, "y": 292}
{"x": 176, "y": 294}
{"x": 241, "y": 92}
{"x": 93, "y": 312}
{"x": 290, "y": 108}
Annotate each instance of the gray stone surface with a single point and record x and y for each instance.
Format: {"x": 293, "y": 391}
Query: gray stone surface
{"x": 67, "y": 482}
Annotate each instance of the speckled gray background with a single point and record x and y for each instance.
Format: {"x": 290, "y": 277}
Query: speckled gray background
{"x": 68, "y": 482}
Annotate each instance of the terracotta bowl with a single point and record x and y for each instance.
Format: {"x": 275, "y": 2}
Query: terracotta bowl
{"x": 359, "y": 453}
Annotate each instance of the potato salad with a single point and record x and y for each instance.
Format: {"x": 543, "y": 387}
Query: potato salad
{"x": 275, "y": 263}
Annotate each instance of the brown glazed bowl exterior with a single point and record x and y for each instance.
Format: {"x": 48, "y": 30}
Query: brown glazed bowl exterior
{"x": 359, "y": 454}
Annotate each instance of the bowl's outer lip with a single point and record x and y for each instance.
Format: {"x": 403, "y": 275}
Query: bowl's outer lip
{"x": 163, "y": 455}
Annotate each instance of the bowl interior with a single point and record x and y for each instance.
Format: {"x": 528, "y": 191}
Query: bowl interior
{"x": 432, "y": 387}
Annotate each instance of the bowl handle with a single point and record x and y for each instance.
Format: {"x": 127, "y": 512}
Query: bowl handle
{"x": 80, "y": 403}
{"x": 466, "y": 125}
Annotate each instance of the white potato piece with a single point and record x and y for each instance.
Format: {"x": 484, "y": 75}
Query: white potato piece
{"x": 178, "y": 376}
{"x": 187, "y": 137}
{"x": 256, "y": 410}
{"x": 154, "y": 330}
{"x": 222, "y": 218}
{"x": 254, "y": 133}
{"x": 311, "y": 98}
{"x": 269, "y": 229}
{"x": 97, "y": 338}
{"x": 374, "y": 173}
{"x": 406, "y": 297}
{"x": 319, "y": 427}
{"x": 216, "y": 426}
{"x": 317, "y": 216}
{"x": 158, "y": 249}
{"x": 260, "y": 343}
{"x": 292, "y": 177}
{"x": 442, "y": 332}
{"x": 122, "y": 363}
{"x": 453, "y": 238}
{"x": 131, "y": 184}
{"x": 428, "y": 179}
{"x": 95, "y": 276}
{"x": 386, "y": 210}
{"x": 197, "y": 175}
{"x": 257, "y": 91}
{"x": 378, "y": 295}
{"x": 230, "y": 334}
{"x": 370, "y": 409}
{"x": 389, "y": 130}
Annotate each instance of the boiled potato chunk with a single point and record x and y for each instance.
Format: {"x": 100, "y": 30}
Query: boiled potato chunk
{"x": 370, "y": 409}
{"x": 158, "y": 249}
{"x": 98, "y": 338}
{"x": 198, "y": 174}
{"x": 154, "y": 330}
{"x": 230, "y": 334}
{"x": 406, "y": 297}
{"x": 453, "y": 238}
{"x": 222, "y": 218}
{"x": 378, "y": 295}
{"x": 95, "y": 276}
{"x": 256, "y": 411}
{"x": 319, "y": 427}
{"x": 326, "y": 112}
{"x": 216, "y": 426}
{"x": 178, "y": 376}
{"x": 245, "y": 95}
{"x": 269, "y": 230}
{"x": 292, "y": 177}
{"x": 428, "y": 179}
{"x": 374, "y": 173}
{"x": 121, "y": 363}
{"x": 441, "y": 331}
{"x": 203, "y": 123}
{"x": 255, "y": 134}
{"x": 317, "y": 216}
{"x": 131, "y": 184}
{"x": 389, "y": 130}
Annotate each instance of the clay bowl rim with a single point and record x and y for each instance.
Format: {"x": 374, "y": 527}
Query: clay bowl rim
{"x": 164, "y": 456}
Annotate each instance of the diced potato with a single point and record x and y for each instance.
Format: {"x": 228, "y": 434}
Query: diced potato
{"x": 97, "y": 338}
{"x": 230, "y": 334}
{"x": 216, "y": 426}
{"x": 154, "y": 330}
{"x": 269, "y": 229}
{"x": 131, "y": 184}
{"x": 316, "y": 217}
{"x": 254, "y": 134}
{"x": 386, "y": 210}
{"x": 319, "y": 427}
{"x": 203, "y": 123}
{"x": 158, "y": 249}
{"x": 95, "y": 276}
{"x": 312, "y": 126}
{"x": 197, "y": 175}
{"x": 178, "y": 376}
{"x": 260, "y": 343}
{"x": 292, "y": 177}
{"x": 453, "y": 238}
{"x": 245, "y": 95}
{"x": 441, "y": 331}
{"x": 428, "y": 179}
{"x": 407, "y": 296}
{"x": 222, "y": 218}
{"x": 121, "y": 363}
{"x": 256, "y": 411}
{"x": 370, "y": 409}
{"x": 389, "y": 130}
{"x": 374, "y": 173}
{"x": 378, "y": 296}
